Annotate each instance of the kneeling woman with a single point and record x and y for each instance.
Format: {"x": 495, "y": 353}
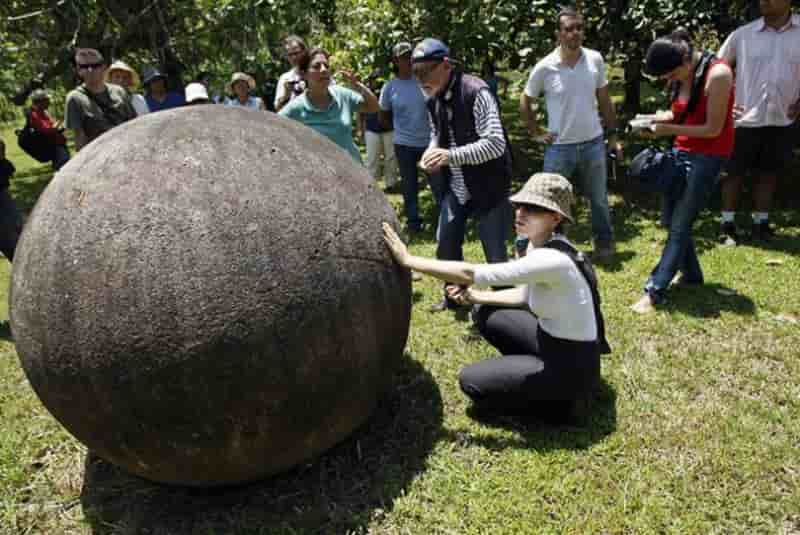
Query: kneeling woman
{"x": 549, "y": 328}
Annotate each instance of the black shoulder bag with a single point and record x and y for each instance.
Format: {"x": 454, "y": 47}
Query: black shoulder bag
{"x": 35, "y": 143}
{"x": 660, "y": 171}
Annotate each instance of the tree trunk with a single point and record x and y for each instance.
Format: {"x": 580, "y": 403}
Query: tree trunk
{"x": 633, "y": 77}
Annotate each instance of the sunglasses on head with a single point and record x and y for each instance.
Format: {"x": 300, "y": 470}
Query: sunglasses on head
{"x": 90, "y": 66}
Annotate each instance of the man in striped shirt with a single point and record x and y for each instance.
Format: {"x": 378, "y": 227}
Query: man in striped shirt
{"x": 470, "y": 148}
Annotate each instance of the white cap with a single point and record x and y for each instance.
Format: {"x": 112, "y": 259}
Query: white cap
{"x": 196, "y": 91}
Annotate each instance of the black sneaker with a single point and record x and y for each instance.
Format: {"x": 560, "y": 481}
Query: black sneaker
{"x": 762, "y": 231}
{"x": 728, "y": 235}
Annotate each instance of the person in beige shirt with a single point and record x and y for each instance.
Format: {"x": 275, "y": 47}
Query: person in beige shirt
{"x": 766, "y": 57}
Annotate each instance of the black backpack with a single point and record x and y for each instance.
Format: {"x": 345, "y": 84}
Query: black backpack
{"x": 35, "y": 143}
{"x": 585, "y": 267}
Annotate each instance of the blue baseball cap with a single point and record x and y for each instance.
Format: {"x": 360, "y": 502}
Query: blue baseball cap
{"x": 430, "y": 50}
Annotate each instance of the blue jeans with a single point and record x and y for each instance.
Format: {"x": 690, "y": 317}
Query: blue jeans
{"x": 585, "y": 164}
{"x": 678, "y": 216}
{"x": 493, "y": 229}
{"x": 407, "y": 160}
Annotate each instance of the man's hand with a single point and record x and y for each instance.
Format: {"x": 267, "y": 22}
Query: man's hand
{"x": 547, "y": 138}
{"x": 738, "y": 112}
{"x": 434, "y": 159}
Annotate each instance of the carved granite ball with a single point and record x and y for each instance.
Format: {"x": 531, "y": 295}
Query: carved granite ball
{"x": 202, "y": 296}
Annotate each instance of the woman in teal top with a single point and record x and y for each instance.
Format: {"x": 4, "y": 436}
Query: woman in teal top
{"x": 327, "y": 108}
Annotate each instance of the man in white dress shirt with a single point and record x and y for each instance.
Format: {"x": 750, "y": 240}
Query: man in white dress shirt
{"x": 766, "y": 58}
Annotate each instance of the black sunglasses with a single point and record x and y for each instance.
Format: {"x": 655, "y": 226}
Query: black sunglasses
{"x": 90, "y": 66}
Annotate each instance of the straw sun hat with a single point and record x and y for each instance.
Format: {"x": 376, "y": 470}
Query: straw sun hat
{"x": 122, "y": 66}
{"x": 240, "y": 76}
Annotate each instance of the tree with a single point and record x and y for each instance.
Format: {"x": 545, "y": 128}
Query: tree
{"x": 176, "y": 35}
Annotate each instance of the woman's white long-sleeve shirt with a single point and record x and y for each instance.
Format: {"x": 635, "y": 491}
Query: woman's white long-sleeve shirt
{"x": 557, "y": 292}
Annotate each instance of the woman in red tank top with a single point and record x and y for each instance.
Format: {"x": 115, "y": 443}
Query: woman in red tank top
{"x": 701, "y": 120}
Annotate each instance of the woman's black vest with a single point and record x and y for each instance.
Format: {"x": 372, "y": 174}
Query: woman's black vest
{"x": 488, "y": 183}
{"x": 587, "y": 270}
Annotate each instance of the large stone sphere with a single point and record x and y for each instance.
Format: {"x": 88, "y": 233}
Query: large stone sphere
{"x": 202, "y": 296}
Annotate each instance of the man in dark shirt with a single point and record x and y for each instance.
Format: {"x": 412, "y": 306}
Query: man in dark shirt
{"x": 95, "y": 106}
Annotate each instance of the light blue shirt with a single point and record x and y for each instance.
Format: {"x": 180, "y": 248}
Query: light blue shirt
{"x": 254, "y": 103}
{"x": 335, "y": 123}
{"x": 405, "y": 100}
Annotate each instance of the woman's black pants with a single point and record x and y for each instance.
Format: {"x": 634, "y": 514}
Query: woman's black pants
{"x": 535, "y": 370}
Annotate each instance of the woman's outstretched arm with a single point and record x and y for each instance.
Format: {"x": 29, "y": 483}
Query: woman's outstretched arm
{"x": 446, "y": 270}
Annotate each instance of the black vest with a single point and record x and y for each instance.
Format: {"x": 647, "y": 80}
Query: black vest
{"x": 585, "y": 267}
{"x": 488, "y": 183}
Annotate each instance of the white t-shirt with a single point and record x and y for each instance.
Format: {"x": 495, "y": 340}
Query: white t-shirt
{"x": 767, "y": 71}
{"x": 557, "y": 292}
{"x": 570, "y": 94}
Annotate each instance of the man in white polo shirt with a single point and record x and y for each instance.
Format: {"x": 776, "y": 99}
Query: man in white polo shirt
{"x": 766, "y": 56}
{"x": 573, "y": 81}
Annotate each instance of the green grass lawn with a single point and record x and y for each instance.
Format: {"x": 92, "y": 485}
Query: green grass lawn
{"x": 695, "y": 429}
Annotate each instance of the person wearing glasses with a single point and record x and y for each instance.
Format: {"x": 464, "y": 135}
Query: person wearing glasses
{"x": 291, "y": 83}
{"x": 329, "y": 108}
{"x": 95, "y": 106}
{"x": 470, "y": 149}
{"x": 573, "y": 81}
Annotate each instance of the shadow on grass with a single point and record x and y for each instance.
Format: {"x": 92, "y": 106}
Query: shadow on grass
{"x": 594, "y": 419}
{"x": 338, "y": 492}
{"x": 708, "y": 301}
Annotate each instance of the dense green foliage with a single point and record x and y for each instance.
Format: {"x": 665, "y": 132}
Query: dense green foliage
{"x": 184, "y": 37}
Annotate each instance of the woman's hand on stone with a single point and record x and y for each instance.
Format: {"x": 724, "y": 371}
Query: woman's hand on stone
{"x": 395, "y": 244}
